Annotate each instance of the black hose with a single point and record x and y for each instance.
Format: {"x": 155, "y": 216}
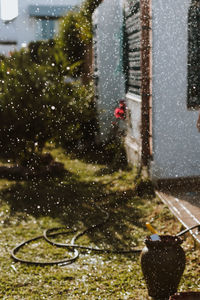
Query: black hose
{"x": 188, "y": 229}
{"x": 72, "y": 246}
{"x": 29, "y": 262}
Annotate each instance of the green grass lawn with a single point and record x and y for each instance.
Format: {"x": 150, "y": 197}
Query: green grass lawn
{"x": 29, "y": 207}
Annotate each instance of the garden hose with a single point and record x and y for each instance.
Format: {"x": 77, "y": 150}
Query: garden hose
{"x": 50, "y": 233}
{"x": 29, "y": 262}
{"x": 47, "y": 234}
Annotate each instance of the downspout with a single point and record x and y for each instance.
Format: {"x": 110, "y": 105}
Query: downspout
{"x": 146, "y": 81}
{"x": 89, "y": 51}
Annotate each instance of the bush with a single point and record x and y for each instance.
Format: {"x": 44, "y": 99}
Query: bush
{"x": 75, "y": 34}
{"x": 36, "y": 105}
{"x": 69, "y": 38}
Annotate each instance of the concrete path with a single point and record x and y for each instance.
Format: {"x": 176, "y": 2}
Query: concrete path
{"x": 184, "y": 202}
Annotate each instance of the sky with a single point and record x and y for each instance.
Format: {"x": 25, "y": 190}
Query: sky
{"x": 9, "y": 9}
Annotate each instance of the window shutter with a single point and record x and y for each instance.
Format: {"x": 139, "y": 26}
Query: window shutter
{"x": 133, "y": 44}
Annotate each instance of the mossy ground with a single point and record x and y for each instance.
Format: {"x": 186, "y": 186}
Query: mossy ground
{"x": 27, "y": 208}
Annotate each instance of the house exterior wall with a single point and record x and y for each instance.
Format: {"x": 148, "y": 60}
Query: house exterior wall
{"x": 23, "y": 29}
{"x": 133, "y": 140}
{"x": 108, "y": 68}
{"x": 176, "y": 141}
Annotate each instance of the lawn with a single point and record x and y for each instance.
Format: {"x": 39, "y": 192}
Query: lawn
{"x": 29, "y": 207}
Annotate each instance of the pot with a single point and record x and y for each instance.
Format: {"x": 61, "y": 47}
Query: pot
{"x": 162, "y": 263}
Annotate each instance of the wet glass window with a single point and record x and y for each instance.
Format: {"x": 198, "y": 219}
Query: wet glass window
{"x": 46, "y": 29}
{"x": 193, "y": 101}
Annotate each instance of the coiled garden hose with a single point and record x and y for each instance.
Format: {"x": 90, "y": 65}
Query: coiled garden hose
{"x": 50, "y": 233}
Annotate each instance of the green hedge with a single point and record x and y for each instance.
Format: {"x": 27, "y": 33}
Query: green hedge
{"x": 76, "y": 32}
{"x": 37, "y": 105}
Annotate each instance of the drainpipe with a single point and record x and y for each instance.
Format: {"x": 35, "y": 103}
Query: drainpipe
{"x": 146, "y": 81}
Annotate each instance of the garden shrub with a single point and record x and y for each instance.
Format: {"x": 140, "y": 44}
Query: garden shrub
{"x": 37, "y": 105}
{"x": 81, "y": 117}
{"x": 75, "y": 34}
{"x": 69, "y": 38}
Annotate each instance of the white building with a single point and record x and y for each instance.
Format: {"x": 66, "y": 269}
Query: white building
{"x": 36, "y": 20}
{"x": 163, "y": 82}
{"x": 163, "y": 109}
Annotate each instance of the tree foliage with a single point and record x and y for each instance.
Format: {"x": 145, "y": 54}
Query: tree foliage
{"x": 76, "y": 31}
{"x": 69, "y": 38}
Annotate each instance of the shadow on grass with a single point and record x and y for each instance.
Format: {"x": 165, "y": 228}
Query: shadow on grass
{"x": 71, "y": 201}
{"x": 113, "y": 156}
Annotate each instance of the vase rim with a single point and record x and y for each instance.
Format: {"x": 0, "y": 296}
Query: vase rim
{"x": 165, "y": 241}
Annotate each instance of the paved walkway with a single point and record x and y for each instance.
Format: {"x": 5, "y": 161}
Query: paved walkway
{"x": 184, "y": 202}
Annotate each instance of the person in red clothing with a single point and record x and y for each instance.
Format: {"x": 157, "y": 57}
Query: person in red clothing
{"x": 120, "y": 112}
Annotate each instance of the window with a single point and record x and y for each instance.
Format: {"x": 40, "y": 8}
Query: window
{"x": 47, "y": 18}
{"x": 46, "y": 29}
{"x": 193, "y": 101}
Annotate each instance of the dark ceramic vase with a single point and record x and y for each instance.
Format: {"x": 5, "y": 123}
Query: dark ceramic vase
{"x": 162, "y": 264}
{"x": 186, "y": 296}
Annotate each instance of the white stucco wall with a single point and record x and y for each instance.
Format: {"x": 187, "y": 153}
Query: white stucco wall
{"x": 108, "y": 18}
{"x": 133, "y": 135}
{"x": 176, "y": 141}
{"x": 23, "y": 29}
